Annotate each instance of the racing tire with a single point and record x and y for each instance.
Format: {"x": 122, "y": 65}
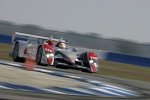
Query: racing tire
{"x": 39, "y": 55}
{"x": 56, "y": 64}
{"x": 84, "y": 58}
{"x": 15, "y": 55}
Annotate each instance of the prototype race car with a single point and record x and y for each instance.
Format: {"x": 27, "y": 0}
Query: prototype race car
{"x": 50, "y": 51}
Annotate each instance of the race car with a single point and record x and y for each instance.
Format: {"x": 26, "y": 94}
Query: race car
{"x": 52, "y": 51}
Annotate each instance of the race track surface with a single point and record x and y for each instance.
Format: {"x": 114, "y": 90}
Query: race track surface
{"x": 50, "y": 83}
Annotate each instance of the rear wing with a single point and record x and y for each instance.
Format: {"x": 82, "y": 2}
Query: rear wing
{"x": 36, "y": 36}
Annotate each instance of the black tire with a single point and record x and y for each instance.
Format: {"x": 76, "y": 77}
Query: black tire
{"x": 15, "y": 56}
{"x": 55, "y": 63}
{"x": 39, "y": 55}
{"x": 84, "y": 58}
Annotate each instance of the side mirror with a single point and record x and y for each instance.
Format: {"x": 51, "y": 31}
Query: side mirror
{"x": 75, "y": 49}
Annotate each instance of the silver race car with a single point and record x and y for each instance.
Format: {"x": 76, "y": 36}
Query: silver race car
{"x": 50, "y": 51}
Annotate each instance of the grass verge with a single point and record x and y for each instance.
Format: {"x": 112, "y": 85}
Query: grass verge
{"x": 125, "y": 71}
{"x": 106, "y": 67}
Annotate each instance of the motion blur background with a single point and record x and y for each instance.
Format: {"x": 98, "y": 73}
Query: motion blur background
{"x": 120, "y": 26}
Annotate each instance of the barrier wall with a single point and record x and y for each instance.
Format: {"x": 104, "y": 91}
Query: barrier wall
{"x": 5, "y": 38}
{"x": 115, "y": 57}
{"x": 123, "y": 58}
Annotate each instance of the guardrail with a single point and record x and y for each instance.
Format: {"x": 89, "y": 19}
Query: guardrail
{"x": 5, "y": 38}
{"x": 129, "y": 59}
{"x": 110, "y": 56}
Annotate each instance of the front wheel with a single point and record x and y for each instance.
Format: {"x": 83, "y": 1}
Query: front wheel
{"x": 39, "y": 55}
{"x": 90, "y": 61}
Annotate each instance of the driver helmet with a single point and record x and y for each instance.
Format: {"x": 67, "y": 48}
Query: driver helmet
{"x": 62, "y": 45}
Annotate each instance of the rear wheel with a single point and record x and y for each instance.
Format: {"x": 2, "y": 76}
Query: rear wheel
{"x": 15, "y": 53}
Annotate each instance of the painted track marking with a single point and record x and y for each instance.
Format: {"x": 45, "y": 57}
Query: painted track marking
{"x": 96, "y": 88}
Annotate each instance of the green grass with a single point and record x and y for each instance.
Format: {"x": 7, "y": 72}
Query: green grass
{"x": 125, "y": 70}
{"x": 106, "y": 67}
{"x": 4, "y": 51}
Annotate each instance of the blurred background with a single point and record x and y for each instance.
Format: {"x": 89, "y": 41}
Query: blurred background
{"x": 89, "y": 40}
{"x": 115, "y": 26}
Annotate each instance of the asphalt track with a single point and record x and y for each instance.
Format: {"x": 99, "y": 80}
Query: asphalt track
{"x": 65, "y": 84}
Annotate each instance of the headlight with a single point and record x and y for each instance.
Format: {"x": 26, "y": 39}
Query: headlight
{"x": 91, "y": 61}
{"x": 52, "y": 55}
{"x": 49, "y": 55}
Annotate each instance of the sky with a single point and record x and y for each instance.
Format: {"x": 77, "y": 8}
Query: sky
{"x": 127, "y": 19}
